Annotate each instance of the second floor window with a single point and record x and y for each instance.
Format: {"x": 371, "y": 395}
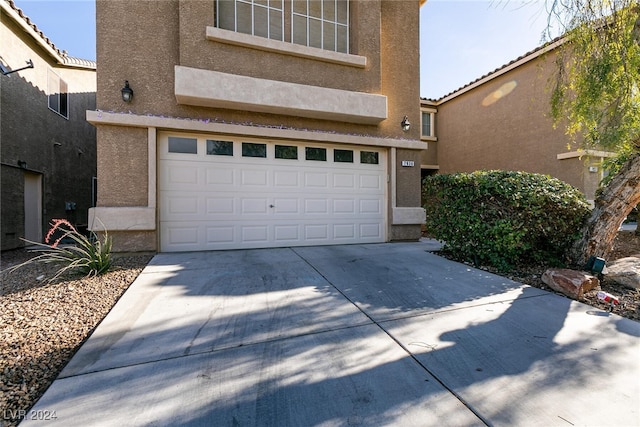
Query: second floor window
{"x": 427, "y": 124}
{"x": 322, "y": 24}
{"x": 58, "y": 95}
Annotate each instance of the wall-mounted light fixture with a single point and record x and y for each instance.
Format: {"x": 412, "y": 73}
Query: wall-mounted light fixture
{"x": 6, "y": 71}
{"x": 127, "y": 92}
{"x": 22, "y": 164}
{"x": 405, "y": 124}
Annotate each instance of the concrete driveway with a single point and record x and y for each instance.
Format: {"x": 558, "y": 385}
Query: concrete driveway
{"x": 383, "y": 334}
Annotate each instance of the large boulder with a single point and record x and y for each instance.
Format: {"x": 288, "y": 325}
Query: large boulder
{"x": 572, "y": 283}
{"x": 625, "y": 271}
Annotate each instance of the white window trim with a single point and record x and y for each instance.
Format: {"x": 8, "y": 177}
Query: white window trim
{"x": 432, "y": 115}
{"x": 284, "y": 48}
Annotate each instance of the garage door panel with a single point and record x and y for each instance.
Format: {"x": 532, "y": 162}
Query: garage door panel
{"x": 183, "y": 206}
{"x": 282, "y": 206}
{"x": 254, "y": 178}
{"x": 182, "y": 174}
{"x": 286, "y": 233}
{"x": 315, "y": 232}
{"x": 370, "y": 231}
{"x": 344, "y": 231}
{"x": 344, "y": 181}
{"x": 187, "y": 236}
{"x": 254, "y": 233}
{"x": 370, "y": 182}
{"x": 182, "y": 236}
{"x": 316, "y": 206}
{"x": 210, "y": 202}
{"x": 316, "y": 179}
{"x": 220, "y": 234}
{"x": 252, "y": 206}
{"x": 345, "y": 206}
{"x": 220, "y": 206}
{"x": 220, "y": 176}
{"x": 370, "y": 206}
{"x": 286, "y": 179}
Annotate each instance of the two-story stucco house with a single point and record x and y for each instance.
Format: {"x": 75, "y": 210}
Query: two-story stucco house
{"x": 47, "y": 148}
{"x": 257, "y": 124}
{"x": 502, "y": 121}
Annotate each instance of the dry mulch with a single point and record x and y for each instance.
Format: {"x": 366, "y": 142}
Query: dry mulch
{"x": 627, "y": 244}
{"x": 43, "y": 324}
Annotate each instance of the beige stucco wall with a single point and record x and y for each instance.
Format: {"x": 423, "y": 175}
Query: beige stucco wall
{"x": 174, "y": 33}
{"x": 61, "y": 151}
{"x": 144, "y": 52}
{"x": 505, "y": 124}
{"x": 429, "y": 157}
{"x": 123, "y": 182}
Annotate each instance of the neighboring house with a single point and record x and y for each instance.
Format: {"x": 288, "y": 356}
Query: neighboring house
{"x": 257, "y": 124}
{"x": 502, "y": 121}
{"x": 48, "y": 151}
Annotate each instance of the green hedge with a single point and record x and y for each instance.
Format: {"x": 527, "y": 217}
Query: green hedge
{"x": 503, "y": 218}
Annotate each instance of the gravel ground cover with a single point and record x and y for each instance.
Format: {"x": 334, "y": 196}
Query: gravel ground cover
{"x": 43, "y": 324}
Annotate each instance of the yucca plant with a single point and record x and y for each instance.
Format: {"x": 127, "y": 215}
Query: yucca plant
{"x": 86, "y": 255}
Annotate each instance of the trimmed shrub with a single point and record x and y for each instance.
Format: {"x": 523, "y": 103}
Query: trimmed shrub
{"x": 503, "y": 218}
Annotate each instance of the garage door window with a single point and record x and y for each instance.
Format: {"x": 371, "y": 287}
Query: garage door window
{"x": 250, "y": 149}
{"x": 318, "y": 154}
{"x": 183, "y": 145}
{"x": 369, "y": 157}
{"x": 286, "y": 152}
{"x": 219, "y": 148}
{"x": 343, "y": 156}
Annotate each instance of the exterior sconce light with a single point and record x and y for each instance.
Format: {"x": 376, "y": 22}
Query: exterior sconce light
{"x": 22, "y": 164}
{"x": 405, "y": 124}
{"x": 127, "y": 92}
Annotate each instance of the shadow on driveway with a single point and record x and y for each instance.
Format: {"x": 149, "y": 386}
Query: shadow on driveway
{"x": 385, "y": 334}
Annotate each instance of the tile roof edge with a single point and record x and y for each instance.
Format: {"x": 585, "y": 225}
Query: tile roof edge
{"x": 522, "y": 59}
{"x": 60, "y": 56}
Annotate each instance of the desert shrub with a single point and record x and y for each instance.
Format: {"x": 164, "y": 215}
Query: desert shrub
{"x": 503, "y": 218}
{"x": 86, "y": 255}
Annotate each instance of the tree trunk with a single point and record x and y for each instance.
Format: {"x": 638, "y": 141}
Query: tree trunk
{"x": 612, "y": 206}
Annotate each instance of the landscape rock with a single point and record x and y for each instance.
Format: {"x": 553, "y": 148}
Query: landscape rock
{"x": 572, "y": 283}
{"x": 625, "y": 271}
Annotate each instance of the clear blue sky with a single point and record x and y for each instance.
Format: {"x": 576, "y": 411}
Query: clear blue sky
{"x": 460, "y": 40}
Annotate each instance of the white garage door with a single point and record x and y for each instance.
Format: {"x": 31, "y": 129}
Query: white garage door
{"x": 231, "y": 194}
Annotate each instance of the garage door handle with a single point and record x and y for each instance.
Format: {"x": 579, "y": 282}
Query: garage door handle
{"x": 272, "y": 206}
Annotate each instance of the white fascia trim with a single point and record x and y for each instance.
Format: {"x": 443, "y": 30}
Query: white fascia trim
{"x": 207, "y": 126}
{"x": 206, "y": 88}
{"x": 407, "y": 216}
{"x": 122, "y": 219}
{"x": 581, "y": 153}
{"x": 285, "y": 48}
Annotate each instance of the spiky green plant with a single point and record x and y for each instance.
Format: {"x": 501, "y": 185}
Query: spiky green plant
{"x": 86, "y": 255}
